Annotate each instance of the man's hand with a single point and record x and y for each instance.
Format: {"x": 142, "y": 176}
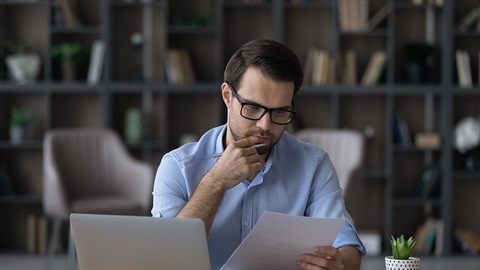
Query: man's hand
{"x": 328, "y": 257}
{"x": 239, "y": 161}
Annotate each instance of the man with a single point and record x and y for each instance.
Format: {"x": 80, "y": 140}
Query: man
{"x": 261, "y": 167}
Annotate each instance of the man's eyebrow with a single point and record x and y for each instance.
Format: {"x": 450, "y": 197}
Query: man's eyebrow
{"x": 249, "y": 102}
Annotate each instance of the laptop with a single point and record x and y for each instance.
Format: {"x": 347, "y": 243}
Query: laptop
{"x": 139, "y": 242}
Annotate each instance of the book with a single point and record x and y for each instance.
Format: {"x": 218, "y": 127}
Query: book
{"x": 439, "y": 228}
{"x": 186, "y": 66}
{"x": 31, "y": 234}
{"x": 467, "y": 69}
{"x": 463, "y": 68}
{"x": 321, "y": 68}
{"x": 308, "y": 67}
{"x": 343, "y": 15}
{"x": 430, "y": 140}
{"x": 374, "y": 68}
{"x": 68, "y": 14}
{"x": 426, "y": 183}
{"x": 349, "y": 68}
{"x": 460, "y": 68}
{"x": 468, "y": 21}
{"x": 469, "y": 242}
{"x": 417, "y": 2}
{"x": 381, "y": 14}
{"x": 424, "y": 236}
{"x": 401, "y": 133}
{"x": 97, "y": 57}
{"x": 42, "y": 235}
{"x": 170, "y": 71}
{"x": 353, "y": 15}
{"x": 178, "y": 67}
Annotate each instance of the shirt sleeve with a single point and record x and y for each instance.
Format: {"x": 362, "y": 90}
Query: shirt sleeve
{"x": 169, "y": 191}
{"x": 326, "y": 201}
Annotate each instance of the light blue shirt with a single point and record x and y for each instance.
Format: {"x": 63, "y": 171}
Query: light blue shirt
{"x": 299, "y": 179}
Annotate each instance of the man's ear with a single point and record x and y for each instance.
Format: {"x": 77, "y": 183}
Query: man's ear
{"x": 226, "y": 95}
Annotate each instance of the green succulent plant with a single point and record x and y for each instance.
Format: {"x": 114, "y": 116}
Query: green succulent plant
{"x": 21, "y": 117}
{"x": 67, "y": 51}
{"x": 400, "y": 248}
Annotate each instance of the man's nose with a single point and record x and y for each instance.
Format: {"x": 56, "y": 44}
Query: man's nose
{"x": 265, "y": 122}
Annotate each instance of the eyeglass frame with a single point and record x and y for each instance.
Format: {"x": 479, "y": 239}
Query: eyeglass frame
{"x": 265, "y": 109}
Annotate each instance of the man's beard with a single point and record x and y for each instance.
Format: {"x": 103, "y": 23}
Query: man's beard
{"x": 261, "y": 150}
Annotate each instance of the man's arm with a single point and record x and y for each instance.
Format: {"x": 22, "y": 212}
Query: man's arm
{"x": 350, "y": 257}
{"x": 204, "y": 201}
{"x": 239, "y": 161}
{"x": 328, "y": 257}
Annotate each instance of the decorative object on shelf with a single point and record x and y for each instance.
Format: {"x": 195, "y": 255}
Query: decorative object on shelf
{"x": 97, "y": 58}
{"x": 467, "y": 141}
{"x": 23, "y": 66}
{"x": 418, "y": 70}
{"x": 428, "y": 140}
{"x": 19, "y": 121}
{"x": 133, "y": 126}
{"x": 136, "y": 39}
{"x": 71, "y": 54}
{"x": 400, "y": 259}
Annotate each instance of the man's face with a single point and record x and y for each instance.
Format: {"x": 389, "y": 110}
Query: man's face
{"x": 257, "y": 89}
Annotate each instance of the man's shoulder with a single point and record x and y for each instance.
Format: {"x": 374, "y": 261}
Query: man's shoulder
{"x": 201, "y": 149}
{"x": 292, "y": 145}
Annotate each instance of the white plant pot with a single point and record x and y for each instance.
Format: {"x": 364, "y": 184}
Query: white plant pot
{"x": 23, "y": 68}
{"x": 412, "y": 263}
{"x": 17, "y": 134}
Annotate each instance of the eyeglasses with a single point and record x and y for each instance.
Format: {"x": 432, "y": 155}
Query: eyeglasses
{"x": 255, "y": 112}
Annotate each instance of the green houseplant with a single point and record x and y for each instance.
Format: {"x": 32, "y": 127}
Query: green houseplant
{"x": 23, "y": 65}
{"x": 70, "y": 54}
{"x": 401, "y": 250}
{"x": 20, "y": 119}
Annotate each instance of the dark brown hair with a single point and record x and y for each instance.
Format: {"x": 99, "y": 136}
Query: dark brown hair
{"x": 275, "y": 60}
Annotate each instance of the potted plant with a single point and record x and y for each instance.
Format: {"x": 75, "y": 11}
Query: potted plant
{"x": 23, "y": 65}
{"x": 417, "y": 69}
{"x": 70, "y": 54}
{"x": 20, "y": 119}
{"x": 400, "y": 259}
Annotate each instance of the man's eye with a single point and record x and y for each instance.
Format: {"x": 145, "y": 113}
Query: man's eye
{"x": 279, "y": 113}
{"x": 252, "y": 107}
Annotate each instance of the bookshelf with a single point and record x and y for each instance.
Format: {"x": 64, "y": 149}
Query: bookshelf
{"x": 211, "y": 31}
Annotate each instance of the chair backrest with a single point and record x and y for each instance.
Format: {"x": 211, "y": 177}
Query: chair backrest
{"x": 344, "y": 146}
{"x": 81, "y": 162}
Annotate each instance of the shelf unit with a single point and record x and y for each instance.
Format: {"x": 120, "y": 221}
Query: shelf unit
{"x": 137, "y": 79}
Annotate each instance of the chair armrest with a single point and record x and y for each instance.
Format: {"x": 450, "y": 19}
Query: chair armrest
{"x": 135, "y": 180}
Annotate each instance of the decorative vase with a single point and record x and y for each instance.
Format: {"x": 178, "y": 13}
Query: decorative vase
{"x": 69, "y": 71}
{"x": 23, "y": 68}
{"x": 133, "y": 126}
{"x": 412, "y": 263}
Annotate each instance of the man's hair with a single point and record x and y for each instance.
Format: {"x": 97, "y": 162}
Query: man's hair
{"x": 275, "y": 60}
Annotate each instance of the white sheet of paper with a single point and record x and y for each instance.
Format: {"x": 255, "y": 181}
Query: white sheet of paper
{"x": 277, "y": 240}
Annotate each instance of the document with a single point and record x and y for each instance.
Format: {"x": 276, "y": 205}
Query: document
{"x": 277, "y": 240}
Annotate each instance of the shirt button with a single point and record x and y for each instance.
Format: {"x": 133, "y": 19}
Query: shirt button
{"x": 245, "y": 223}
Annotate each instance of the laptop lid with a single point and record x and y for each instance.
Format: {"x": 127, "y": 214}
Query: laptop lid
{"x": 136, "y": 242}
